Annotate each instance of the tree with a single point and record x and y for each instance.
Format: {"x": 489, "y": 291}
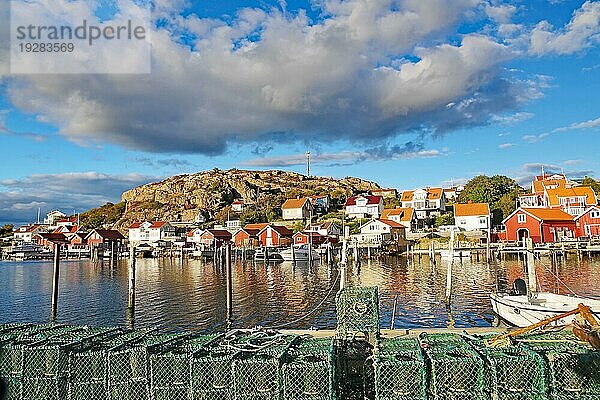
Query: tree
{"x": 6, "y": 230}
{"x": 594, "y": 184}
{"x": 444, "y": 219}
{"x": 499, "y": 191}
{"x": 252, "y": 216}
{"x": 391, "y": 202}
{"x": 107, "y": 214}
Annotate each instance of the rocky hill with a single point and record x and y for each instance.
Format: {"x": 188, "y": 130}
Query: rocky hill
{"x": 210, "y": 193}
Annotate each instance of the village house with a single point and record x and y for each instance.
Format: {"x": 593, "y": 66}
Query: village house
{"x": 214, "y": 238}
{"x": 314, "y": 238}
{"x": 68, "y": 229}
{"x": 588, "y": 223}
{"x": 275, "y": 236}
{"x": 403, "y": 216}
{"x": 24, "y": 234}
{"x": 237, "y": 206}
{"x": 233, "y": 225}
{"x": 378, "y": 231}
{"x": 472, "y": 216}
{"x": 297, "y": 209}
{"x": 78, "y": 242}
{"x": 193, "y": 236}
{"x": 151, "y": 232}
{"x": 105, "y": 238}
{"x": 385, "y": 193}
{"x": 246, "y": 238}
{"x": 320, "y": 203}
{"x": 542, "y": 225}
{"x": 428, "y": 202}
{"x": 49, "y": 240}
{"x": 53, "y": 216}
{"x": 68, "y": 221}
{"x": 328, "y": 228}
{"x": 364, "y": 206}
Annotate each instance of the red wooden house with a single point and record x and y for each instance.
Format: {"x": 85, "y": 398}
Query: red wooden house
{"x": 246, "y": 237}
{"x": 49, "y": 240}
{"x": 588, "y": 223}
{"x": 274, "y": 236}
{"x": 303, "y": 238}
{"x": 100, "y": 237}
{"x": 542, "y": 225}
{"x": 215, "y": 237}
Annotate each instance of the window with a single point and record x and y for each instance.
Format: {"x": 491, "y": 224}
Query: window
{"x": 521, "y": 218}
{"x": 595, "y": 214}
{"x": 483, "y": 221}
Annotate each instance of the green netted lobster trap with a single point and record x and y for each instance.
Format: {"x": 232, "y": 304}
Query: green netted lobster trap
{"x": 399, "y": 370}
{"x": 358, "y": 311}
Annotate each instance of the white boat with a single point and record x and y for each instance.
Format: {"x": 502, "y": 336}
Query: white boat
{"x": 456, "y": 253}
{"x": 300, "y": 253}
{"x": 525, "y": 305}
{"x": 519, "y": 310}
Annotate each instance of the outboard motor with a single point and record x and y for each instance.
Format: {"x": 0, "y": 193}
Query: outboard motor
{"x": 519, "y": 287}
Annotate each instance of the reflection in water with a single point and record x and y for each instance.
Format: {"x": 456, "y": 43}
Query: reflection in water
{"x": 172, "y": 295}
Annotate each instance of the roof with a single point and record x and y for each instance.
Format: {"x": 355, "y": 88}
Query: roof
{"x": 54, "y": 237}
{"x": 282, "y": 230}
{"x": 248, "y": 231}
{"x": 158, "y": 224}
{"x": 391, "y": 223}
{"x": 405, "y": 213}
{"x": 305, "y": 233}
{"x": 471, "y": 209}
{"x": 220, "y": 233}
{"x": 587, "y": 210}
{"x": 432, "y": 194}
{"x": 370, "y": 200}
{"x": 72, "y": 218}
{"x": 135, "y": 225}
{"x": 109, "y": 234}
{"x": 260, "y": 226}
{"x": 28, "y": 228}
{"x": 290, "y": 204}
{"x": 547, "y": 214}
{"x": 578, "y": 191}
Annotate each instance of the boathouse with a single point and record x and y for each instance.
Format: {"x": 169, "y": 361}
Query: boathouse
{"x": 542, "y": 225}
{"x": 275, "y": 236}
{"x": 588, "y": 223}
{"x": 246, "y": 237}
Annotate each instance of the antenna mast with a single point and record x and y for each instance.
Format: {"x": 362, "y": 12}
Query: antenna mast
{"x": 308, "y": 163}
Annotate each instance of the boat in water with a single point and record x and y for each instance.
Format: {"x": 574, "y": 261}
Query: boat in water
{"x": 299, "y": 253}
{"x": 524, "y": 305}
{"x": 267, "y": 254}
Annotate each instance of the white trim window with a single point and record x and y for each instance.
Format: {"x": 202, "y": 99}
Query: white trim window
{"x": 594, "y": 214}
{"x": 522, "y": 218}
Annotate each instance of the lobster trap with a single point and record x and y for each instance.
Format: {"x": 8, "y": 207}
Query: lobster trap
{"x": 400, "y": 370}
{"x": 456, "y": 371}
{"x": 358, "y": 311}
{"x": 353, "y": 368}
{"x": 308, "y": 370}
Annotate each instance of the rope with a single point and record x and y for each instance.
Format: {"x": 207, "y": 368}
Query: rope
{"x": 308, "y": 314}
{"x": 553, "y": 274}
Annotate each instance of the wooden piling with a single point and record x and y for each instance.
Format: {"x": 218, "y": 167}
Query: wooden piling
{"x": 55, "y": 280}
{"x": 229, "y": 282}
{"x": 131, "y": 291}
{"x": 531, "y": 276}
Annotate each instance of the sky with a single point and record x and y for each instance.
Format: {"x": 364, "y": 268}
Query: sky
{"x": 406, "y": 93}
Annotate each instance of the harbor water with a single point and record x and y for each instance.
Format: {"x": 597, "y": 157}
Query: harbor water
{"x": 173, "y": 295}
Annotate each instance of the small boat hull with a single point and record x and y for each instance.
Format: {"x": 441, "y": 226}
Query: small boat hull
{"x": 300, "y": 254}
{"x": 518, "y": 311}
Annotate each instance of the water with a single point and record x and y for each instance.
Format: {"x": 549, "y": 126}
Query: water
{"x": 174, "y": 296}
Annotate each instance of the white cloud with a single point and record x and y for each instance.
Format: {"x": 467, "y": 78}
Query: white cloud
{"x": 80, "y": 191}
{"x": 500, "y": 13}
{"x": 581, "y": 32}
{"x": 593, "y": 123}
{"x": 504, "y": 146}
{"x": 513, "y": 118}
{"x": 340, "y": 78}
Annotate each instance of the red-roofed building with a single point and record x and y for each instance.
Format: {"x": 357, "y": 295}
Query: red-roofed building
{"x": 305, "y": 238}
{"x": 275, "y": 236}
{"x": 103, "y": 237}
{"x": 428, "y": 202}
{"x": 588, "y": 223}
{"x": 404, "y": 216}
{"x": 364, "y": 206}
{"x": 296, "y": 208}
{"x": 542, "y": 225}
{"x": 25, "y": 233}
{"x": 214, "y": 237}
{"x": 49, "y": 240}
{"x": 246, "y": 237}
{"x": 151, "y": 232}
{"x": 472, "y": 216}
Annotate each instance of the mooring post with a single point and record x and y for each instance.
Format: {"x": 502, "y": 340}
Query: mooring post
{"x": 531, "y": 276}
{"x": 131, "y": 292}
{"x": 449, "y": 270}
{"x": 229, "y": 283}
{"x": 55, "y": 276}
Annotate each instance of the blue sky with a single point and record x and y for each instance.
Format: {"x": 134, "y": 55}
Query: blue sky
{"x": 403, "y": 93}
